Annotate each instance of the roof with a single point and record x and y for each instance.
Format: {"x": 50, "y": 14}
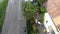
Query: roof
{"x": 53, "y": 8}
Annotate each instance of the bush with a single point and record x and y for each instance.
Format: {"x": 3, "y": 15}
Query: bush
{"x": 42, "y": 17}
{"x": 31, "y": 27}
{"x": 30, "y": 9}
{"x": 41, "y": 1}
{"x": 43, "y": 9}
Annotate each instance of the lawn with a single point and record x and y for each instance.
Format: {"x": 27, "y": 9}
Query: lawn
{"x": 3, "y": 6}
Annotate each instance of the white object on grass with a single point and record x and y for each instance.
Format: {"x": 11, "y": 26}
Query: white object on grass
{"x": 39, "y": 22}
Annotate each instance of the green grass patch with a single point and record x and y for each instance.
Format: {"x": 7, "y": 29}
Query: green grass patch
{"x": 3, "y": 6}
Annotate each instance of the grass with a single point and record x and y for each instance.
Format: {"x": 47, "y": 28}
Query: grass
{"x": 3, "y": 6}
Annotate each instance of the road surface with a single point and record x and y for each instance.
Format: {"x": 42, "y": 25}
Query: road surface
{"x": 14, "y": 22}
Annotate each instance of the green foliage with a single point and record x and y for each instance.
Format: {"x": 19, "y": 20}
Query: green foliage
{"x": 3, "y": 6}
{"x": 41, "y": 1}
{"x": 30, "y": 9}
{"x": 30, "y": 28}
{"x": 42, "y": 17}
{"x": 43, "y": 9}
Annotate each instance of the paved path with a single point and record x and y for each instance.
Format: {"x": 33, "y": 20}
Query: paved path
{"x": 14, "y": 22}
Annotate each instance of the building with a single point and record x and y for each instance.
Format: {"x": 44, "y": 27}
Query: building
{"x": 53, "y": 8}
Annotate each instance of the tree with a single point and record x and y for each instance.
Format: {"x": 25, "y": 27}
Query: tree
{"x": 30, "y": 9}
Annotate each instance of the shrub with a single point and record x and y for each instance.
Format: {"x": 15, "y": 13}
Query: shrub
{"x": 43, "y": 9}
{"x": 31, "y": 27}
{"x": 41, "y": 1}
{"x": 30, "y": 9}
{"x": 42, "y": 17}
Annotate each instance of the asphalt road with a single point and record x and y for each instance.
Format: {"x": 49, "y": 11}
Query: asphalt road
{"x": 14, "y": 22}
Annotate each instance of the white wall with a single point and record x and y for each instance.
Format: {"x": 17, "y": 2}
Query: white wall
{"x": 50, "y": 23}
